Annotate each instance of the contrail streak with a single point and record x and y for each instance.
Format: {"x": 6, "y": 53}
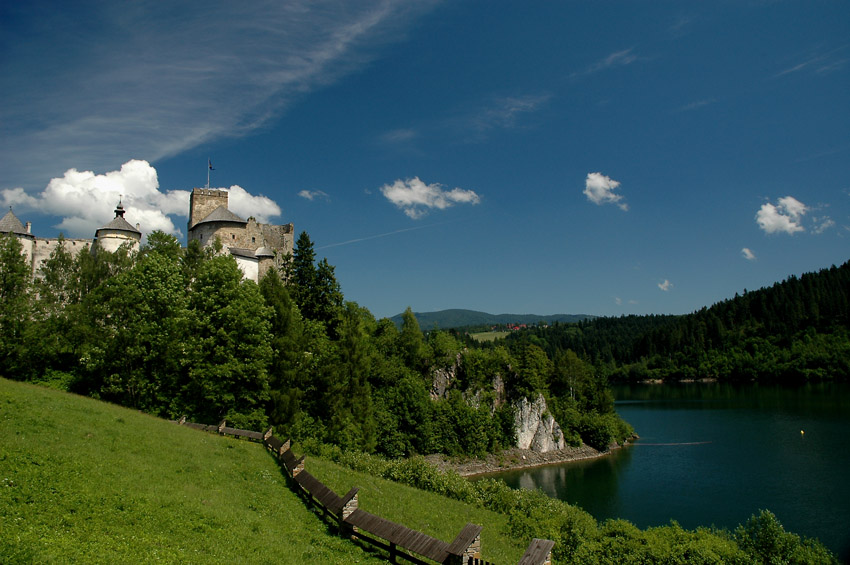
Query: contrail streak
{"x": 359, "y": 239}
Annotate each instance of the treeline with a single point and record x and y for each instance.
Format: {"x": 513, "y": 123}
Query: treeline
{"x": 175, "y": 331}
{"x": 796, "y": 330}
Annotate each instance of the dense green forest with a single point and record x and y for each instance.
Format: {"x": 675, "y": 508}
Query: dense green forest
{"x": 796, "y": 330}
{"x": 175, "y": 331}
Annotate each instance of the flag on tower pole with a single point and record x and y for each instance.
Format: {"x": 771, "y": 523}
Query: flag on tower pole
{"x": 209, "y": 168}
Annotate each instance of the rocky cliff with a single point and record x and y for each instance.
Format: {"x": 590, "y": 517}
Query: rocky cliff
{"x": 535, "y": 427}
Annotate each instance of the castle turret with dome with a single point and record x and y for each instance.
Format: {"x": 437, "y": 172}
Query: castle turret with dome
{"x": 118, "y": 232}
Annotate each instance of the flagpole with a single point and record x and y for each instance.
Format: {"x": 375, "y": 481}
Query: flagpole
{"x": 209, "y": 166}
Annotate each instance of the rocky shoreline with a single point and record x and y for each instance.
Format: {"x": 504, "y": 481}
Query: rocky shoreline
{"x": 515, "y": 458}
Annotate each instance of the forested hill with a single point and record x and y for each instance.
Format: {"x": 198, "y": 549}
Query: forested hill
{"x": 795, "y": 330}
{"x": 458, "y": 318}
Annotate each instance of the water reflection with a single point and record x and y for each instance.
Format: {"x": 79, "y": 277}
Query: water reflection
{"x": 592, "y": 484}
{"x": 714, "y": 454}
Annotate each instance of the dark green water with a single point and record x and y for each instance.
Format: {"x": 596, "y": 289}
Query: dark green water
{"x": 716, "y": 454}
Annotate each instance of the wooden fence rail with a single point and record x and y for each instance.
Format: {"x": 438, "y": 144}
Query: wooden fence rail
{"x": 398, "y": 540}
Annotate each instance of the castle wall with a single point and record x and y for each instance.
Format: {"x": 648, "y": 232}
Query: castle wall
{"x": 42, "y": 248}
{"x": 249, "y": 267}
{"x": 27, "y": 246}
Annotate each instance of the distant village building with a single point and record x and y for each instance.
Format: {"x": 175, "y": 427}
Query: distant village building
{"x": 256, "y": 247}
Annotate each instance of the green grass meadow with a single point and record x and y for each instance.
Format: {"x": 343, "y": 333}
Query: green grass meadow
{"x": 89, "y": 482}
{"x": 489, "y": 336}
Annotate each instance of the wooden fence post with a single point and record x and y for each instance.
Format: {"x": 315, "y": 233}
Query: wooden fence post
{"x": 299, "y": 466}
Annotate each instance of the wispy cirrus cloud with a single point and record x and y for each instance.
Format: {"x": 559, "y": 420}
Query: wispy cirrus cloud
{"x": 696, "y": 105}
{"x": 620, "y": 58}
{"x": 417, "y": 198}
{"x": 151, "y": 81}
{"x": 820, "y": 62}
{"x": 505, "y": 112}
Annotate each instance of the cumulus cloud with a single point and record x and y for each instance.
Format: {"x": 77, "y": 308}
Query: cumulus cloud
{"x": 783, "y": 217}
{"x": 86, "y": 201}
{"x": 416, "y": 198}
{"x": 747, "y": 254}
{"x": 314, "y": 194}
{"x": 665, "y": 286}
{"x": 599, "y": 189}
{"x": 244, "y": 204}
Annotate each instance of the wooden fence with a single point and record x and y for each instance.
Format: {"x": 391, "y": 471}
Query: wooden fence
{"x": 398, "y": 540}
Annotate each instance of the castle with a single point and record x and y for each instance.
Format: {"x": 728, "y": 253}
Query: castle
{"x": 256, "y": 247}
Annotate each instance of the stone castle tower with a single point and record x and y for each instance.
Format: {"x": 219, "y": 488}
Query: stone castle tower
{"x": 256, "y": 247}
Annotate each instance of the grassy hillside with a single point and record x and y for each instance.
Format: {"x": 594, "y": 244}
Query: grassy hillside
{"x": 86, "y": 481}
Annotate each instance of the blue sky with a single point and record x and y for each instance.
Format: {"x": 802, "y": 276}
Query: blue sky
{"x": 539, "y": 157}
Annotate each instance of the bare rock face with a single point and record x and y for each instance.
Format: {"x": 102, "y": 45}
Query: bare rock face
{"x": 442, "y": 379}
{"x": 535, "y": 427}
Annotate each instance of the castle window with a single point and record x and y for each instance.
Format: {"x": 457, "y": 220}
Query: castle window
{"x": 253, "y": 240}
{"x": 233, "y": 236}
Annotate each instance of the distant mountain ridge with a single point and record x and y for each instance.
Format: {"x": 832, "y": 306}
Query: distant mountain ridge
{"x": 459, "y": 318}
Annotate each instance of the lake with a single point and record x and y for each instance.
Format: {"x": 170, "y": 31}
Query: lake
{"x": 715, "y": 454}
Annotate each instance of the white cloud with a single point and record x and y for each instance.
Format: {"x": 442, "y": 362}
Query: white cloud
{"x": 399, "y": 136}
{"x": 86, "y": 201}
{"x": 747, "y": 254}
{"x": 416, "y": 198}
{"x": 823, "y": 224}
{"x": 698, "y": 104}
{"x": 784, "y": 217}
{"x": 820, "y": 62}
{"x": 504, "y": 112}
{"x": 599, "y": 189}
{"x": 152, "y": 82}
{"x": 314, "y": 194}
{"x": 665, "y": 286}
{"x": 244, "y": 204}
{"x": 615, "y": 59}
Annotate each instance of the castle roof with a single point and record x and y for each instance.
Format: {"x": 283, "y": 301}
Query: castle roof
{"x": 119, "y": 223}
{"x": 264, "y": 252}
{"x": 222, "y": 214}
{"x": 242, "y": 252}
{"x": 11, "y": 223}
